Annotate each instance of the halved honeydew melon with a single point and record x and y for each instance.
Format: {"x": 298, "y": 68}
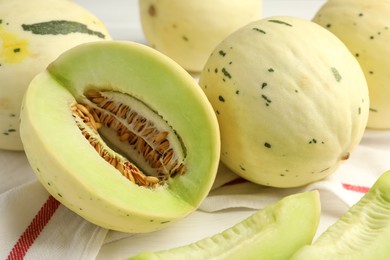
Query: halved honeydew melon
{"x": 58, "y": 143}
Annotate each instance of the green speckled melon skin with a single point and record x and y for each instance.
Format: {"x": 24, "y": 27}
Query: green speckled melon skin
{"x": 364, "y": 27}
{"x": 32, "y": 34}
{"x": 291, "y": 100}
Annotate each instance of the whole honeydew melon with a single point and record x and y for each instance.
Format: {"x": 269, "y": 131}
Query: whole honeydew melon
{"x": 188, "y": 31}
{"x": 32, "y": 34}
{"x": 363, "y": 26}
{"x": 291, "y": 100}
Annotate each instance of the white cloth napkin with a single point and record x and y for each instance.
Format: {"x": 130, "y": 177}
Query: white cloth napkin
{"x": 33, "y": 225}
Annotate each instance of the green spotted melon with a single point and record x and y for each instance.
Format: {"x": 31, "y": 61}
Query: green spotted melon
{"x": 364, "y": 27}
{"x": 188, "y": 31}
{"x": 291, "y": 100}
{"x": 32, "y": 34}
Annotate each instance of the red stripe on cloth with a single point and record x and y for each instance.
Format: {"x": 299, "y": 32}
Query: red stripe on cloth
{"x": 34, "y": 229}
{"x": 357, "y": 188}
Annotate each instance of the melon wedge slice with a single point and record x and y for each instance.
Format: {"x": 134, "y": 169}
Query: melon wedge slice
{"x": 275, "y": 232}
{"x": 362, "y": 233}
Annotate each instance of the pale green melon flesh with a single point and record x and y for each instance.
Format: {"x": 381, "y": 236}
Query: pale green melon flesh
{"x": 275, "y": 232}
{"x": 362, "y": 233}
{"x": 69, "y": 167}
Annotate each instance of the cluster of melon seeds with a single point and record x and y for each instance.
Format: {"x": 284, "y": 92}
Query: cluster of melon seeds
{"x": 155, "y": 150}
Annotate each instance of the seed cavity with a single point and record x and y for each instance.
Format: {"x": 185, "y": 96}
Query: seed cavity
{"x": 130, "y": 136}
